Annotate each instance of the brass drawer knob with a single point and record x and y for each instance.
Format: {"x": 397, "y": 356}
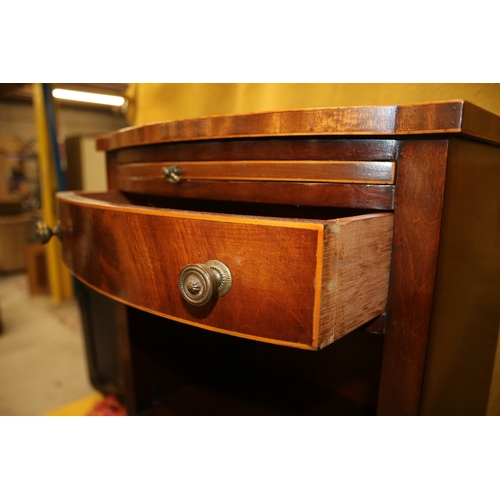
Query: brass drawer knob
{"x": 172, "y": 174}
{"x": 44, "y": 232}
{"x": 198, "y": 283}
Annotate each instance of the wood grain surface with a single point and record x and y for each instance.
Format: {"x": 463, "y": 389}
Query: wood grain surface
{"x": 135, "y": 254}
{"x": 355, "y": 274}
{"x": 456, "y": 116}
{"x": 376, "y": 120}
{"x": 418, "y": 209}
{"x": 305, "y": 171}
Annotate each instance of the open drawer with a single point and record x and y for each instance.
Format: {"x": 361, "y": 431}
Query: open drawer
{"x": 297, "y": 282}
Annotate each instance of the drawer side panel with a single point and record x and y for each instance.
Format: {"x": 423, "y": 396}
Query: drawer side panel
{"x": 355, "y": 281}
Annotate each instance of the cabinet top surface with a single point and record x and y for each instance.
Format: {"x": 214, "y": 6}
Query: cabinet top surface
{"x": 445, "y": 117}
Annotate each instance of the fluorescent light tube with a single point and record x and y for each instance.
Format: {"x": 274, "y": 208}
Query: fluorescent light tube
{"x": 73, "y": 95}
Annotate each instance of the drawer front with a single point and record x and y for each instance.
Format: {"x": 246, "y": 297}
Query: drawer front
{"x": 380, "y": 172}
{"x": 354, "y": 184}
{"x": 293, "y": 280}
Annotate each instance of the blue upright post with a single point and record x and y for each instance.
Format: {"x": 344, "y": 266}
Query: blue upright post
{"x": 52, "y": 127}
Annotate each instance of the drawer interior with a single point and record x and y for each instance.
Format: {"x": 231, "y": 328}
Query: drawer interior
{"x": 288, "y": 211}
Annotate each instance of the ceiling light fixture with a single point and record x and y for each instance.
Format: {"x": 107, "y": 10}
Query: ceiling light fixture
{"x": 73, "y": 95}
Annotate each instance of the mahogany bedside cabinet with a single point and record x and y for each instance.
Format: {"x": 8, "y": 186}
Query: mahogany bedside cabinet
{"x": 336, "y": 261}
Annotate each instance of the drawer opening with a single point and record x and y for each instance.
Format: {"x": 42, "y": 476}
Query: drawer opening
{"x": 236, "y": 207}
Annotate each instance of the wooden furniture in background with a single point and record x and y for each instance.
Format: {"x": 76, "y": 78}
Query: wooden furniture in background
{"x": 274, "y": 196}
{"x": 36, "y": 269}
{"x": 14, "y": 234}
{"x": 86, "y": 167}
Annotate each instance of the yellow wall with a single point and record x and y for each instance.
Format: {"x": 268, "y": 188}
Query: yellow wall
{"x": 152, "y": 102}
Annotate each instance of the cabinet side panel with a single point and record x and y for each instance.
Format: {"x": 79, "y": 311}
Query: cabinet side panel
{"x": 466, "y": 315}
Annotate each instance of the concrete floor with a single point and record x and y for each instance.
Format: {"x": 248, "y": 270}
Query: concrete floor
{"x": 42, "y": 352}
